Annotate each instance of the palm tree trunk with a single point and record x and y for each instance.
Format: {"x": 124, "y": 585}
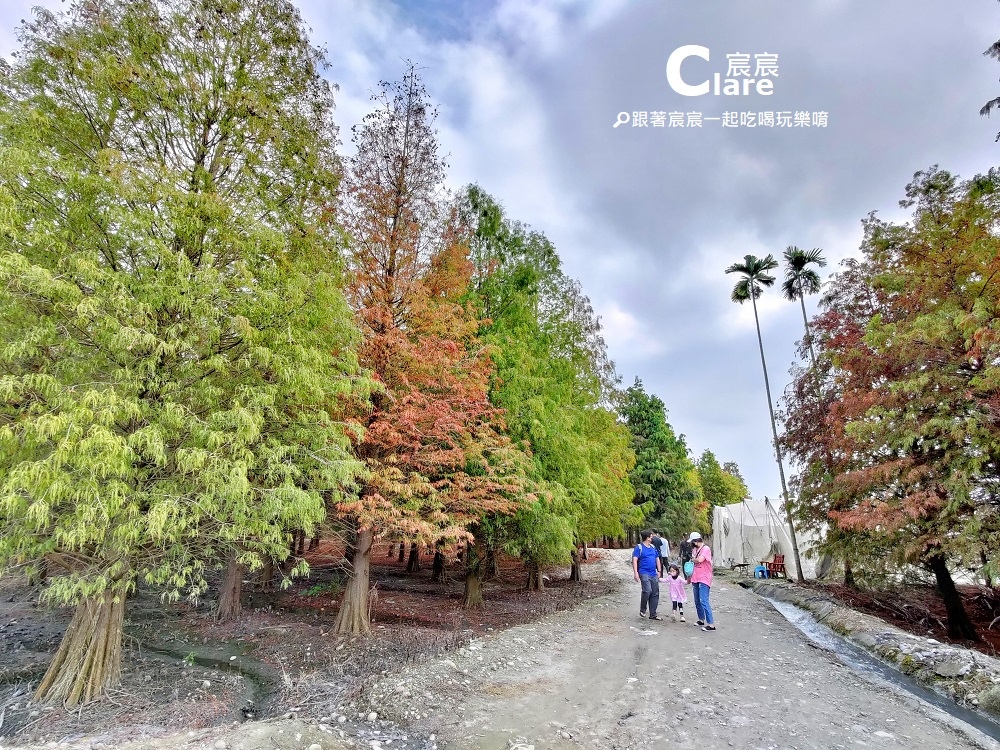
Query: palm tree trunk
{"x": 805, "y": 322}
{"x": 777, "y": 447}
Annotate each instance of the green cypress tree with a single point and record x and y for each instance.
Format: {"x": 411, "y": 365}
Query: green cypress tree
{"x": 664, "y": 477}
{"x": 719, "y": 484}
{"x": 555, "y": 382}
{"x": 176, "y": 346}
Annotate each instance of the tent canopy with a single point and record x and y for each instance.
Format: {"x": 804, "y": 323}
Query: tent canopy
{"x": 755, "y": 530}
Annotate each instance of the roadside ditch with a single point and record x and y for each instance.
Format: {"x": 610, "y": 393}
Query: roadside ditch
{"x": 967, "y": 680}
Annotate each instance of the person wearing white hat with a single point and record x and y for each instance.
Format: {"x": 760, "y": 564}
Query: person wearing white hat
{"x": 701, "y": 581}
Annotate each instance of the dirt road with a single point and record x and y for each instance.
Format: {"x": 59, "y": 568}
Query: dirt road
{"x": 598, "y": 676}
{"x": 601, "y": 677}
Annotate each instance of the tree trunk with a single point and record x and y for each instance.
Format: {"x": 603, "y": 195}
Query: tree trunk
{"x": 437, "y": 571}
{"x": 849, "y": 581}
{"x": 391, "y": 548}
{"x": 584, "y": 550}
{"x": 959, "y": 624}
{"x": 805, "y": 322}
{"x": 89, "y": 658}
{"x": 230, "y": 593}
{"x": 38, "y": 573}
{"x": 300, "y": 543}
{"x": 777, "y": 447}
{"x": 402, "y": 552}
{"x": 576, "y": 571}
{"x": 413, "y": 562}
{"x": 534, "y": 582}
{"x": 354, "y": 616}
{"x": 267, "y": 574}
{"x": 473, "y": 598}
{"x": 473, "y": 576}
{"x": 490, "y": 563}
{"x": 314, "y": 543}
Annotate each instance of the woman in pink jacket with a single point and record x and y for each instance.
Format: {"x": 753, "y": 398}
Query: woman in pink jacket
{"x": 701, "y": 580}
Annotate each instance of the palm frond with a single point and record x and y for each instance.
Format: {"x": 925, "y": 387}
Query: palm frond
{"x": 790, "y": 289}
{"x": 767, "y": 263}
{"x": 738, "y": 268}
{"x": 815, "y": 257}
{"x": 741, "y": 292}
{"x": 800, "y": 279}
{"x": 989, "y": 107}
{"x": 754, "y": 277}
{"x": 809, "y": 282}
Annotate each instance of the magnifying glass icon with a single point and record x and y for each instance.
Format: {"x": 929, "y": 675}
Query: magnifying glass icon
{"x": 623, "y": 119}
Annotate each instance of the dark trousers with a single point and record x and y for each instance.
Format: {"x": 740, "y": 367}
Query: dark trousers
{"x": 650, "y": 593}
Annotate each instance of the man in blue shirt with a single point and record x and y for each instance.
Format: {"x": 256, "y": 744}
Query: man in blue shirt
{"x": 647, "y": 568}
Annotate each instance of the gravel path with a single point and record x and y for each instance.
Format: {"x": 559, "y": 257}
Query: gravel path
{"x": 600, "y": 677}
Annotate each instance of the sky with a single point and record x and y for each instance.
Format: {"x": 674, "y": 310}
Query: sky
{"x": 648, "y": 217}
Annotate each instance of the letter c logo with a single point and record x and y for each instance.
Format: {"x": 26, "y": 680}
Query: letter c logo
{"x": 674, "y": 70}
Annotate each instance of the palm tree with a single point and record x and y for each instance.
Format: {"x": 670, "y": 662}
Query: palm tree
{"x": 800, "y": 280}
{"x": 755, "y": 277}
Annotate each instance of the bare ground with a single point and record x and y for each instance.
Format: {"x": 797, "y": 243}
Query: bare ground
{"x": 184, "y": 671}
{"x": 601, "y": 677}
{"x": 595, "y": 676}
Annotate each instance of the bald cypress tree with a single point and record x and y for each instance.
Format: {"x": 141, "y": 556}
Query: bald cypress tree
{"x": 665, "y": 478}
{"x": 175, "y": 342}
{"x": 437, "y": 457}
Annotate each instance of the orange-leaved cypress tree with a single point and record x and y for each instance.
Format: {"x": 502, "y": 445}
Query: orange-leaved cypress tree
{"x": 433, "y": 445}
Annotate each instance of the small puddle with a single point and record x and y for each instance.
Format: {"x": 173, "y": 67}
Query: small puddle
{"x": 867, "y": 665}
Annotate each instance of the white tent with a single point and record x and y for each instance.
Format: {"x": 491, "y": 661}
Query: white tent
{"x": 754, "y": 530}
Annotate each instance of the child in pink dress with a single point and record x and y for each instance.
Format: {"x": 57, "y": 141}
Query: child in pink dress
{"x": 678, "y": 595}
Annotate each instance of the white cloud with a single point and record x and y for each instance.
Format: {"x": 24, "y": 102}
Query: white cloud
{"x": 628, "y": 334}
{"x": 543, "y": 29}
